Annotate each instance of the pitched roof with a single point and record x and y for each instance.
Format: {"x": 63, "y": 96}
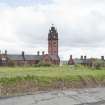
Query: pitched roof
{"x": 78, "y": 61}
{"x": 26, "y": 57}
{"x": 33, "y": 57}
{"x": 85, "y": 61}
{"x": 15, "y": 57}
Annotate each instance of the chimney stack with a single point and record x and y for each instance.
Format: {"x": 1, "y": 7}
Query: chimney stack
{"x": 22, "y": 53}
{"x": 81, "y": 57}
{"x": 71, "y": 57}
{"x": 42, "y": 52}
{"x": 85, "y": 57}
{"x": 5, "y": 52}
{"x": 102, "y": 57}
{"x": 38, "y": 53}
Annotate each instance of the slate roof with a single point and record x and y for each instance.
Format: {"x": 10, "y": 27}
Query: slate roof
{"x": 15, "y": 57}
{"x": 26, "y": 57}
{"x": 33, "y": 57}
{"x": 87, "y": 61}
{"x": 79, "y": 61}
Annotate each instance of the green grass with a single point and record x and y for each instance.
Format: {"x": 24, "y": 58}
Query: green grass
{"x": 10, "y": 75}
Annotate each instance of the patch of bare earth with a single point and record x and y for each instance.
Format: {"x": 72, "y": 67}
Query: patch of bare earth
{"x": 22, "y": 87}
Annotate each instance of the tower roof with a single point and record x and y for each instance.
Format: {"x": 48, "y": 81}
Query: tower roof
{"x": 53, "y": 34}
{"x": 53, "y": 28}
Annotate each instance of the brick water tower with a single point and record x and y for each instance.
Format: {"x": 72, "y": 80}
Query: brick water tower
{"x": 53, "y": 41}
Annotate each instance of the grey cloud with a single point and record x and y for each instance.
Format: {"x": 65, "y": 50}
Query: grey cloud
{"x": 86, "y": 29}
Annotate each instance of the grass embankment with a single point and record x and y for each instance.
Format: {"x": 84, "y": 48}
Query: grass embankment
{"x": 29, "y": 79}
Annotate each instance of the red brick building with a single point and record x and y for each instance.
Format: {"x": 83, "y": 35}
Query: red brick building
{"x": 22, "y": 59}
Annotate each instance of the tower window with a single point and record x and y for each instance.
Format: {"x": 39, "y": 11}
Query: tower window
{"x": 55, "y": 52}
{"x": 54, "y": 43}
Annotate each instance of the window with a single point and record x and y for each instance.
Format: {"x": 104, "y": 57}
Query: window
{"x": 54, "y": 44}
{"x": 3, "y": 59}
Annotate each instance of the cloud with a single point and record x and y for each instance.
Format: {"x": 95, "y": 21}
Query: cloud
{"x": 80, "y": 23}
{"x": 15, "y": 3}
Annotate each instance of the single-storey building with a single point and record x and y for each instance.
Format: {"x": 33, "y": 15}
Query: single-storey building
{"x": 83, "y": 60}
{"x": 22, "y": 59}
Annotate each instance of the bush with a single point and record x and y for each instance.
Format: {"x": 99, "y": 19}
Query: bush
{"x": 42, "y": 64}
{"x": 11, "y": 63}
{"x": 97, "y": 64}
{"x": 80, "y": 66}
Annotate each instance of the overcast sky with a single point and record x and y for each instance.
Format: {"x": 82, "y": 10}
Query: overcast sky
{"x": 24, "y": 25}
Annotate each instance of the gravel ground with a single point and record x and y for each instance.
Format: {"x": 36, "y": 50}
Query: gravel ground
{"x": 90, "y": 96}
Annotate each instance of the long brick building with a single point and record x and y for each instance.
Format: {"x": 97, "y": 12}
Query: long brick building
{"x": 22, "y": 59}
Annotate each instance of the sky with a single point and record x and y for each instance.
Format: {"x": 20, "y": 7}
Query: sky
{"x": 24, "y": 26}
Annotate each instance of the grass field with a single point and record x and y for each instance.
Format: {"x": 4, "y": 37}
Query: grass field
{"x": 19, "y": 80}
{"x": 48, "y": 73}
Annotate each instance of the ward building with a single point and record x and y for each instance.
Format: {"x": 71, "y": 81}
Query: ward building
{"x": 23, "y": 59}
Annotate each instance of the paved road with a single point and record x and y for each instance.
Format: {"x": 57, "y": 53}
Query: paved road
{"x": 92, "y": 96}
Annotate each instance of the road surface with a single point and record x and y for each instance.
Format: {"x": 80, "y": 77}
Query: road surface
{"x": 91, "y": 96}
